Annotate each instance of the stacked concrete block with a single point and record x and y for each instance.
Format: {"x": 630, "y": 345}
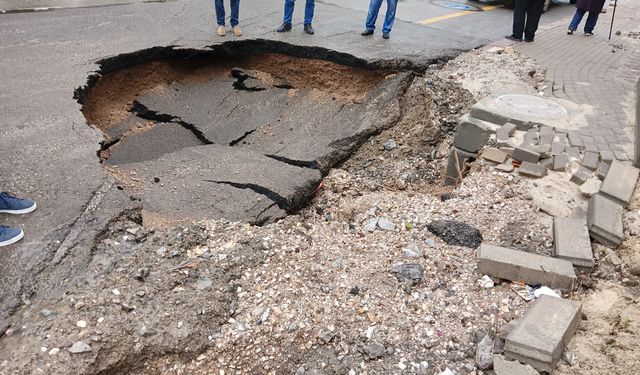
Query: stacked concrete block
{"x": 604, "y": 219}
{"x": 522, "y": 266}
{"x": 620, "y": 182}
{"x": 572, "y": 242}
{"x": 543, "y": 333}
{"x": 525, "y": 154}
{"x": 472, "y": 134}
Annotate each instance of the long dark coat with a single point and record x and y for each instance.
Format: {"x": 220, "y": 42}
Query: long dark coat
{"x": 590, "y": 5}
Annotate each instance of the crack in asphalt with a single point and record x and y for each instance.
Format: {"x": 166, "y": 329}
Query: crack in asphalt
{"x": 297, "y": 163}
{"x": 278, "y": 199}
{"x": 143, "y": 112}
{"x": 242, "y": 137}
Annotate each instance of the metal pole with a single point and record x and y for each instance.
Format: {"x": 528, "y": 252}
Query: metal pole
{"x": 615, "y": 5}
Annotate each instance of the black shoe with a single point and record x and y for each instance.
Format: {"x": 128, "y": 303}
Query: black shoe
{"x": 588, "y": 33}
{"x": 367, "y": 32}
{"x": 284, "y": 28}
{"x": 513, "y": 38}
{"x": 309, "y": 29}
{"x": 385, "y": 35}
{"x": 528, "y": 40}
{"x": 570, "y": 32}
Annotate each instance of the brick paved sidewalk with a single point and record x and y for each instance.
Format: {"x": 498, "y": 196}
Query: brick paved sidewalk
{"x": 597, "y": 72}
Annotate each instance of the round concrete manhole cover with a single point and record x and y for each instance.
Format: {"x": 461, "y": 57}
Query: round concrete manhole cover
{"x": 531, "y": 106}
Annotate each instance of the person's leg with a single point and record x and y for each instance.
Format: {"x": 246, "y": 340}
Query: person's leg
{"x": 372, "y": 15}
{"x": 235, "y": 12}
{"x": 573, "y": 26}
{"x": 9, "y": 235}
{"x": 390, "y": 16}
{"x": 519, "y": 12}
{"x": 14, "y": 205}
{"x": 592, "y": 20}
{"x": 308, "y": 12}
{"x": 220, "y": 16}
{"x": 288, "y": 11}
{"x": 534, "y": 12}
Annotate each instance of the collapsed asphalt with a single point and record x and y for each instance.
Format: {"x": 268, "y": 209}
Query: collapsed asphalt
{"x": 244, "y": 136}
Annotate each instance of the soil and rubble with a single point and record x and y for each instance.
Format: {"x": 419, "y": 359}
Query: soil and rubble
{"x": 358, "y": 282}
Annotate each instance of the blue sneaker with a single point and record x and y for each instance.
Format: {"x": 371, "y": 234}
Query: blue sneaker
{"x": 9, "y": 235}
{"x": 12, "y": 205}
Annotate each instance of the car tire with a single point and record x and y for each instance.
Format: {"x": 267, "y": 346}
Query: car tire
{"x": 547, "y": 4}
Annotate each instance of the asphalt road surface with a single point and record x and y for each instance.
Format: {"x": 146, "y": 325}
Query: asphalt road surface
{"x": 47, "y": 151}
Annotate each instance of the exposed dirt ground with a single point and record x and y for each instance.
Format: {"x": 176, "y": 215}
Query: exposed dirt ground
{"x": 324, "y": 291}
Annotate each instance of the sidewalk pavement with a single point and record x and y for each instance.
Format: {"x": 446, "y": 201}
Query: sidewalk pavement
{"x": 595, "y": 71}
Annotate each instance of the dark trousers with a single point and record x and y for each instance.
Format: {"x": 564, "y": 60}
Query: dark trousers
{"x": 526, "y": 17}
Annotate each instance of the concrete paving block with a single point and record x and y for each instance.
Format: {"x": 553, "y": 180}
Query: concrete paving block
{"x": 621, "y": 155}
{"x": 456, "y": 165}
{"x": 535, "y": 170}
{"x": 603, "y": 169}
{"x": 494, "y": 155}
{"x": 590, "y": 147}
{"x": 607, "y": 156}
{"x": 558, "y": 148}
{"x": 604, "y": 220}
{"x": 575, "y": 140}
{"x": 505, "y": 132}
{"x": 503, "y": 366}
{"x": 620, "y": 182}
{"x": 472, "y": 134}
{"x": 546, "y": 130}
{"x": 507, "y": 150}
{"x": 560, "y": 162}
{"x": 591, "y": 160}
{"x": 546, "y": 139}
{"x": 522, "y": 266}
{"x": 543, "y": 150}
{"x": 546, "y": 328}
{"x": 581, "y": 175}
{"x": 524, "y": 154}
{"x": 573, "y": 152}
{"x": 571, "y": 242}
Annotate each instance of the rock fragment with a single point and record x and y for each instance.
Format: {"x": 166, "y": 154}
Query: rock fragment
{"x": 79, "y": 347}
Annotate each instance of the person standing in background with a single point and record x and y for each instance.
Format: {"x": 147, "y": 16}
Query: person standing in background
{"x": 372, "y": 16}
{"x": 288, "y": 16}
{"x": 526, "y": 17}
{"x": 593, "y": 7}
{"x": 221, "y": 17}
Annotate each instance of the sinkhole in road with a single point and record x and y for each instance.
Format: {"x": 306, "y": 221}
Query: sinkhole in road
{"x": 240, "y": 131}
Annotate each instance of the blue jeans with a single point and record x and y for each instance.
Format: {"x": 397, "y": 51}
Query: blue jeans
{"x": 592, "y": 19}
{"x": 235, "y": 9}
{"x": 372, "y": 16}
{"x": 308, "y": 11}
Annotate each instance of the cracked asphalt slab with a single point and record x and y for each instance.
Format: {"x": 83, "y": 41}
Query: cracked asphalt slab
{"x": 48, "y": 152}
